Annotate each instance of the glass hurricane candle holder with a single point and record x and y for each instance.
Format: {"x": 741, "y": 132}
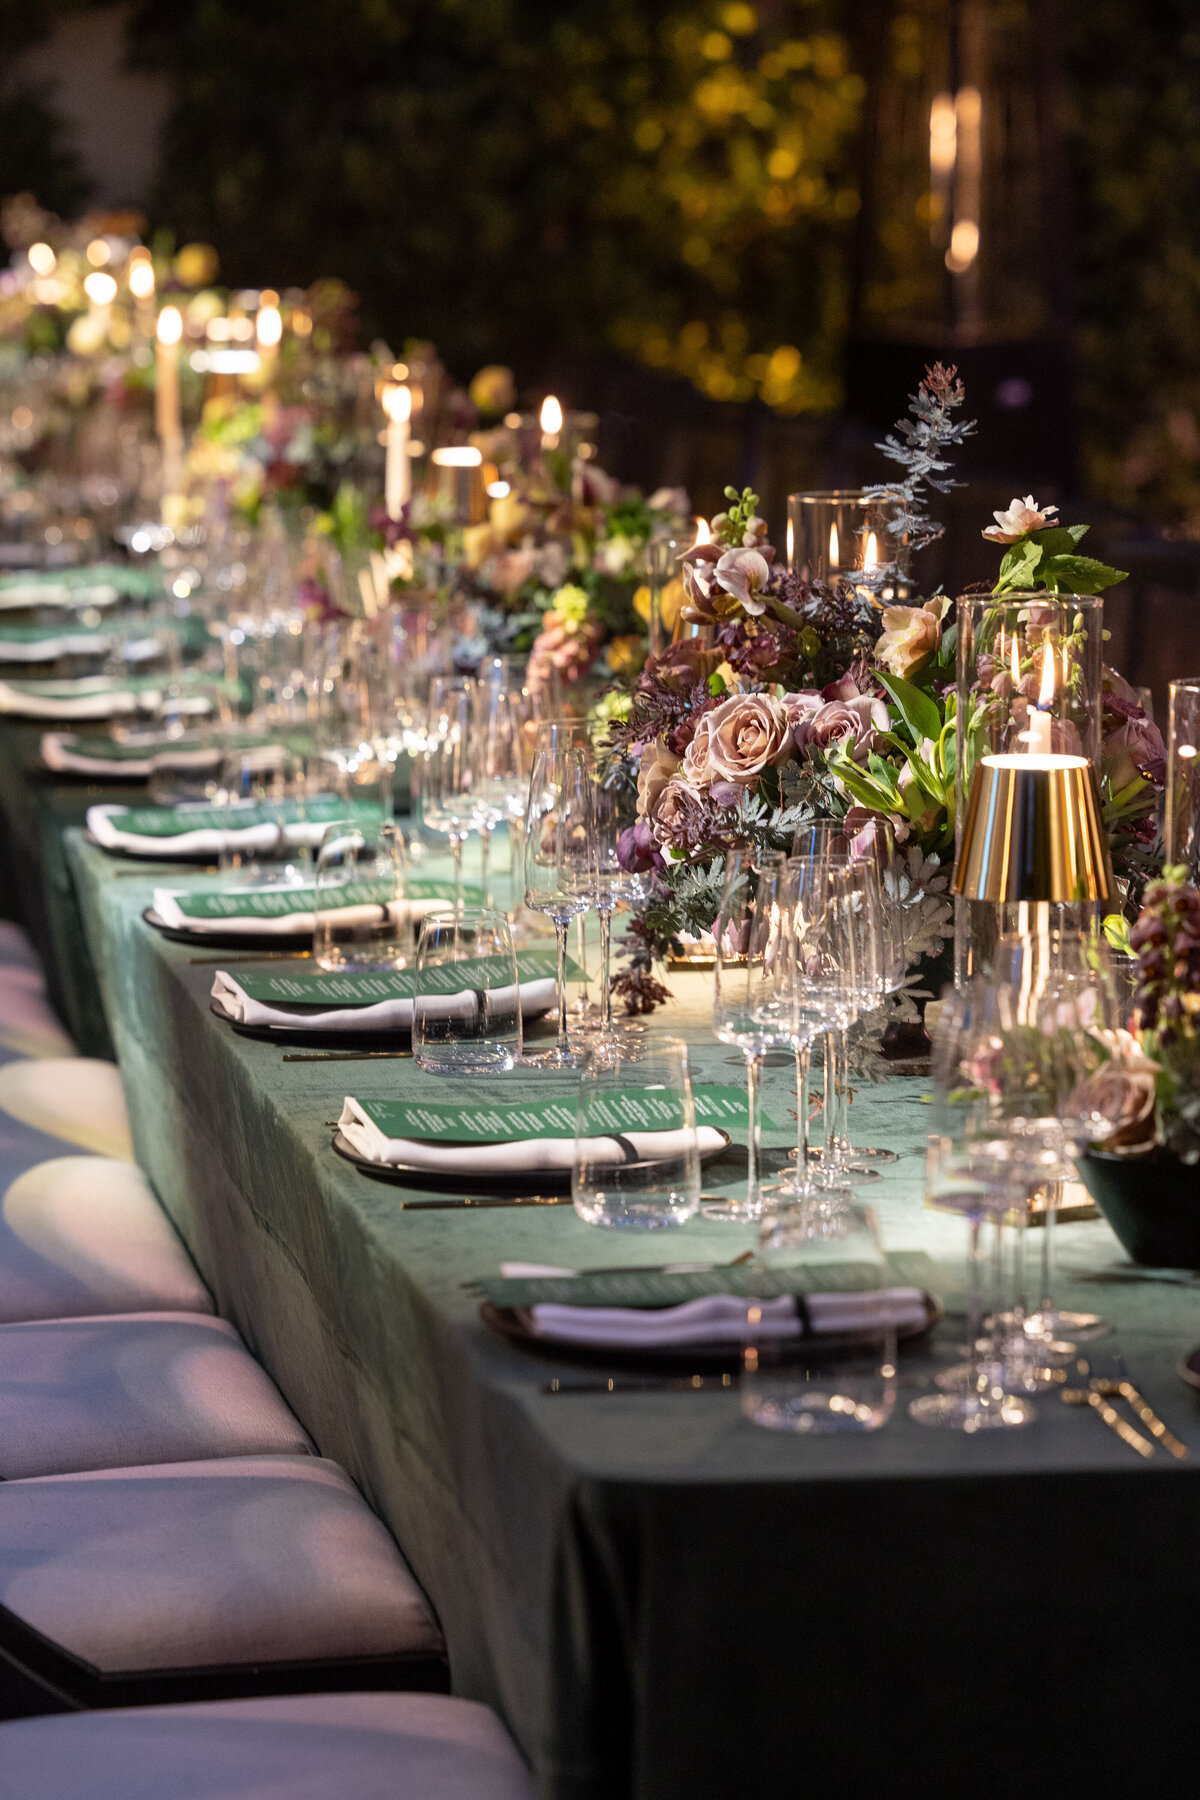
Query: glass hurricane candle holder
{"x": 1030, "y": 670}
{"x": 843, "y": 532}
{"x": 1182, "y": 821}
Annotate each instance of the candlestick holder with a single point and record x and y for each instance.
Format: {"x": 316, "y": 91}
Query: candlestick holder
{"x": 843, "y": 532}
{"x": 1031, "y": 848}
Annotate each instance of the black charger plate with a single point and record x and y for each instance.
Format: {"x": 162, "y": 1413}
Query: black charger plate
{"x": 479, "y": 1181}
{"x": 718, "y": 1357}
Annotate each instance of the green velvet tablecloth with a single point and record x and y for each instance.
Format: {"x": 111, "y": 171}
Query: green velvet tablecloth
{"x": 662, "y": 1600}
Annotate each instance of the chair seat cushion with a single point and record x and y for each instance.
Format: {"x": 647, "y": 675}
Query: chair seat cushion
{"x": 208, "y": 1565}
{"x": 28, "y": 1023}
{"x": 105, "y": 1393}
{"x": 352, "y": 1746}
{"x": 77, "y": 1098}
{"x": 84, "y": 1234}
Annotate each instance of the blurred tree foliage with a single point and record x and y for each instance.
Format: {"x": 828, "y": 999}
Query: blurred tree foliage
{"x": 667, "y": 180}
{"x": 35, "y": 153}
{"x": 673, "y": 180}
{"x": 1135, "y": 74}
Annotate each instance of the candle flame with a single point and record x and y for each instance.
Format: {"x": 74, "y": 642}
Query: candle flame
{"x": 551, "y": 416}
{"x": 100, "y": 289}
{"x": 703, "y": 534}
{"x": 1016, "y": 663}
{"x": 170, "y": 325}
{"x": 268, "y": 327}
{"x": 141, "y": 275}
{"x": 1046, "y": 691}
{"x": 871, "y": 554}
{"x": 833, "y": 547}
{"x": 397, "y": 402}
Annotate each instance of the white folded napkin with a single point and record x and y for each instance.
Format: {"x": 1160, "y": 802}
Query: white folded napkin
{"x": 18, "y": 593}
{"x": 384, "y": 1015}
{"x": 722, "y": 1319}
{"x": 527, "y": 1153}
{"x": 104, "y": 823}
{"x": 90, "y": 699}
{"x": 299, "y": 920}
{"x": 47, "y": 649}
{"x": 64, "y": 754}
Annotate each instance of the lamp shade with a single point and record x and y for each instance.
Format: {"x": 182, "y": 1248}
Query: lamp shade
{"x": 1033, "y": 831}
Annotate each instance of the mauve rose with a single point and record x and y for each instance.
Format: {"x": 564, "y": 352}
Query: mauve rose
{"x": 1134, "y": 748}
{"x": 697, "y": 767}
{"x": 748, "y": 733}
{"x": 911, "y": 636}
{"x": 656, "y": 770}
{"x": 801, "y": 708}
{"x": 860, "y": 719}
{"x": 636, "y": 850}
{"x": 678, "y": 815}
{"x": 1122, "y": 1096}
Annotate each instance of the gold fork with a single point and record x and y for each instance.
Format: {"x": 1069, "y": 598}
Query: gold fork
{"x": 1110, "y": 1385}
{"x": 1111, "y": 1417}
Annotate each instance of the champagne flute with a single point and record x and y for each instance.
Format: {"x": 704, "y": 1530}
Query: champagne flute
{"x": 448, "y": 806}
{"x": 741, "y": 934}
{"x": 558, "y": 848}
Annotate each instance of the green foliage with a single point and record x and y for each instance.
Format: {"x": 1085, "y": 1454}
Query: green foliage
{"x": 669, "y": 180}
{"x": 1134, "y": 72}
{"x": 1046, "y": 559}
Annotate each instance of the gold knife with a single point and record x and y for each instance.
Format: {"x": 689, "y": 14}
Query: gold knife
{"x": 1111, "y": 1417}
{"x": 340, "y": 1055}
{"x": 257, "y": 957}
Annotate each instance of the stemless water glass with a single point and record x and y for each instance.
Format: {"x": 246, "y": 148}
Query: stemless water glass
{"x": 363, "y": 919}
{"x": 637, "y": 1159}
{"x": 847, "y": 1382}
{"x": 558, "y": 819}
{"x": 467, "y": 997}
{"x": 742, "y": 937}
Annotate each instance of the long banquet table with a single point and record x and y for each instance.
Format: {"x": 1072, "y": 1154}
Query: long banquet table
{"x": 663, "y": 1600}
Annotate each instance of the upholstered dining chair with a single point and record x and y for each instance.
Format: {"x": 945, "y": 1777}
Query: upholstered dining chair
{"x": 203, "y": 1580}
{"x": 128, "y": 1390}
{"x": 305, "y": 1747}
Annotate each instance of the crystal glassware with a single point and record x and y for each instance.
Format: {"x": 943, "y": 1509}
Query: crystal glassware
{"x": 558, "y": 852}
{"x": 363, "y": 920}
{"x": 803, "y": 981}
{"x": 850, "y": 1384}
{"x": 466, "y": 995}
{"x": 737, "y": 974}
{"x": 661, "y": 1186}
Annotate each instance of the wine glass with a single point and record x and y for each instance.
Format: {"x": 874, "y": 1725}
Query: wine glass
{"x": 741, "y": 934}
{"x": 448, "y": 804}
{"x": 614, "y": 810}
{"x": 804, "y": 984}
{"x": 558, "y": 849}
{"x": 497, "y": 780}
{"x": 875, "y": 849}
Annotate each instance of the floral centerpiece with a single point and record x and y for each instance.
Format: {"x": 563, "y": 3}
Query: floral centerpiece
{"x": 792, "y": 700}
{"x": 1143, "y": 1175}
